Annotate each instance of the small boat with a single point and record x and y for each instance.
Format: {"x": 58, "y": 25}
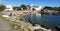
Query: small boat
{"x": 38, "y": 14}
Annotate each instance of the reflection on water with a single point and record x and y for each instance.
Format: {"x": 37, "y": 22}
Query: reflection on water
{"x": 47, "y": 20}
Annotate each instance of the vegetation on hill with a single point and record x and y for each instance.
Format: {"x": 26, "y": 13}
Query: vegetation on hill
{"x": 51, "y": 8}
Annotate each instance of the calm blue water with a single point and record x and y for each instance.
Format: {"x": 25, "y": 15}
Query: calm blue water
{"x": 47, "y": 20}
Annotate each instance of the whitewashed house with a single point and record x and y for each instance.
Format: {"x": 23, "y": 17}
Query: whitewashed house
{"x": 9, "y": 8}
{"x": 34, "y": 8}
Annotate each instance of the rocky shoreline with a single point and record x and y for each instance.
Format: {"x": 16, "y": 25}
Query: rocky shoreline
{"x": 18, "y": 22}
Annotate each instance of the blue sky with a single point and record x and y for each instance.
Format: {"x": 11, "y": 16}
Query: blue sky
{"x": 35, "y": 2}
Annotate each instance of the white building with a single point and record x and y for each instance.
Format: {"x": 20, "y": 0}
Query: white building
{"x": 36, "y": 8}
{"x": 9, "y": 8}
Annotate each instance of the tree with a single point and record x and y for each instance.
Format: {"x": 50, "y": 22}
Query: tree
{"x": 2, "y": 7}
{"x": 48, "y": 7}
{"x": 23, "y": 6}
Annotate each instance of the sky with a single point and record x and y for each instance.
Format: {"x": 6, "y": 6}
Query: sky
{"x": 34, "y": 2}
